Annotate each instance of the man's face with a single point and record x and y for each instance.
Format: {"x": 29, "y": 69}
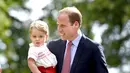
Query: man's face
{"x": 65, "y": 29}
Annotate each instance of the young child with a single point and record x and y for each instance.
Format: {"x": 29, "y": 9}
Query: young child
{"x": 40, "y": 59}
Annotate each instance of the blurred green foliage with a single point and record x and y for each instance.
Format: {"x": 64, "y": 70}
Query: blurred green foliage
{"x": 114, "y": 13}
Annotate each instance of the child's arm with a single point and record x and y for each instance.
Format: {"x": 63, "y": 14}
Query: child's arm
{"x": 32, "y": 66}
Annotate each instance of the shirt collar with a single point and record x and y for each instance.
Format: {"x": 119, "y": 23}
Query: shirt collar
{"x": 77, "y": 39}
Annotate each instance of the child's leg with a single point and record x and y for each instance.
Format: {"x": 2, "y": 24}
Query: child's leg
{"x": 50, "y": 70}
{"x": 41, "y": 69}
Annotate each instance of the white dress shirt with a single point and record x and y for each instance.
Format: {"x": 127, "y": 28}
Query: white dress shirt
{"x": 74, "y": 46}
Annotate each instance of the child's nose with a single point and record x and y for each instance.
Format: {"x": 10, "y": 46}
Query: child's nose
{"x": 37, "y": 38}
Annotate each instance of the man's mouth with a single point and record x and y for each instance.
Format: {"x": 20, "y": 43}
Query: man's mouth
{"x": 61, "y": 34}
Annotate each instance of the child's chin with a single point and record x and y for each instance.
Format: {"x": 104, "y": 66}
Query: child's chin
{"x": 37, "y": 45}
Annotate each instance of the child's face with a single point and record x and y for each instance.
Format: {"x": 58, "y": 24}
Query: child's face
{"x": 38, "y": 37}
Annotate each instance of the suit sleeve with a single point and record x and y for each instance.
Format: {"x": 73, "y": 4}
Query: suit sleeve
{"x": 100, "y": 61}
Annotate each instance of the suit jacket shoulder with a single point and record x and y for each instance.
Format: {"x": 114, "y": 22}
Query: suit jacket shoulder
{"x": 89, "y": 58}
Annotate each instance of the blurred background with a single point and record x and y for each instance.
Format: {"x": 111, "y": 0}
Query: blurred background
{"x": 105, "y": 21}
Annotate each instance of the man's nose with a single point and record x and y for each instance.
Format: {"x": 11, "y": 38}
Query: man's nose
{"x": 59, "y": 29}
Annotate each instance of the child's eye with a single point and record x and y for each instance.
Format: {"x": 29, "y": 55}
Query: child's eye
{"x": 41, "y": 36}
{"x": 34, "y": 36}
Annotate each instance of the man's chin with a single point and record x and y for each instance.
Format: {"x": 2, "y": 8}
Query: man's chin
{"x": 63, "y": 38}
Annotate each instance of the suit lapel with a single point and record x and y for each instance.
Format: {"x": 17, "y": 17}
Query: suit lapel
{"x": 61, "y": 54}
{"x": 77, "y": 55}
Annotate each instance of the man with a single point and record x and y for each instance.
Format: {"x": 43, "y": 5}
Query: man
{"x": 86, "y": 55}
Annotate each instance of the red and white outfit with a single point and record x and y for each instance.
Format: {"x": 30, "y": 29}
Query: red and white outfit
{"x": 45, "y": 60}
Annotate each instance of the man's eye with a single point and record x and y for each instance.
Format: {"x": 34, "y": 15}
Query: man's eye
{"x": 62, "y": 26}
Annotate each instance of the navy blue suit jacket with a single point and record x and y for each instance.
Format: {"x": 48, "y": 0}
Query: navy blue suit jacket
{"x": 89, "y": 57}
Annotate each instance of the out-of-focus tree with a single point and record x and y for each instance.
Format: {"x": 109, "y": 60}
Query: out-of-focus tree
{"x": 115, "y": 14}
{"x": 12, "y": 39}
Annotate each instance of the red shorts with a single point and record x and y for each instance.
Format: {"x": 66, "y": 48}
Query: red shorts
{"x": 47, "y": 70}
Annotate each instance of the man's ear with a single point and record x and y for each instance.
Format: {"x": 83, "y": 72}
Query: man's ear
{"x": 76, "y": 24}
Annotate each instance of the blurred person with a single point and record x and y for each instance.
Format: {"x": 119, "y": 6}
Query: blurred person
{"x": 86, "y": 56}
{"x": 40, "y": 59}
{"x": 0, "y": 69}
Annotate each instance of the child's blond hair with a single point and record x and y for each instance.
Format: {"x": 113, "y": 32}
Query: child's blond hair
{"x": 40, "y": 25}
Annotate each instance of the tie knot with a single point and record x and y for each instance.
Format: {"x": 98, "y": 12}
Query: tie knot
{"x": 70, "y": 43}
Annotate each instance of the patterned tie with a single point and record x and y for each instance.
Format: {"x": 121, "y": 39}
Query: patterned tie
{"x": 67, "y": 59}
